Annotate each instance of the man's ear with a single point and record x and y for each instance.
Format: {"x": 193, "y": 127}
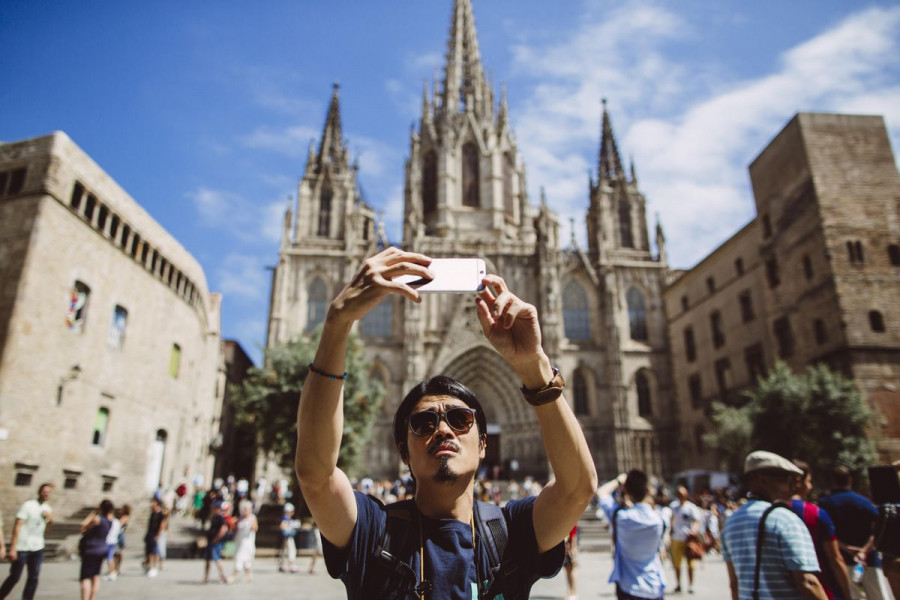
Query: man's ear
{"x": 482, "y": 445}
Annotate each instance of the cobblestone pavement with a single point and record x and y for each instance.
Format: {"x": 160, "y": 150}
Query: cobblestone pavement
{"x": 182, "y": 579}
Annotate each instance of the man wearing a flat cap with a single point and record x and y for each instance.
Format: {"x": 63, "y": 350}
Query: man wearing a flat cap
{"x": 787, "y": 558}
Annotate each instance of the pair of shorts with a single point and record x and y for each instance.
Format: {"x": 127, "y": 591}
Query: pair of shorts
{"x": 91, "y": 565}
{"x": 110, "y": 552}
{"x": 214, "y": 551}
{"x": 151, "y": 547}
{"x": 678, "y": 554}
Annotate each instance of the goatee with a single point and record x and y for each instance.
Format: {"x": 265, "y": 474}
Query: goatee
{"x": 444, "y": 473}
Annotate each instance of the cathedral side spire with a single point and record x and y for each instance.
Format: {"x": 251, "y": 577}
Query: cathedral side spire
{"x": 609, "y": 164}
{"x": 331, "y": 147}
{"x": 465, "y": 87}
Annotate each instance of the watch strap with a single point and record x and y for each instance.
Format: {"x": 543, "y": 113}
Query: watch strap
{"x": 546, "y": 394}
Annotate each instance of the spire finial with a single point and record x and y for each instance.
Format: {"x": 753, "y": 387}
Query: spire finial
{"x": 574, "y": 242}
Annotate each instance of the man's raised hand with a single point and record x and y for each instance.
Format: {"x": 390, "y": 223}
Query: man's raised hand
{"x": 375, "y": 280}
{"x": 510, "y": 324}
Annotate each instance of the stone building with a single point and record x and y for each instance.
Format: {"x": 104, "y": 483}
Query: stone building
{"x": 109, "y": 338}
{"x": 814, "y": 277}
{"x": 465, "y": 196}
{"x": 235, "y": 444}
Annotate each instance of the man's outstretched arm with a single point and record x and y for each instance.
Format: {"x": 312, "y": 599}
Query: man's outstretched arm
{"x": 512, "y": 327}
{"x": 320, "y": 417}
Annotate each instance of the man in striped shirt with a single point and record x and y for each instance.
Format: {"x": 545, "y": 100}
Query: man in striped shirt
{"x": 788, "y": 563}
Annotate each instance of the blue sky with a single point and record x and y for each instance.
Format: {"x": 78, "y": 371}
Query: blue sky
{"x": 203, "y": 111}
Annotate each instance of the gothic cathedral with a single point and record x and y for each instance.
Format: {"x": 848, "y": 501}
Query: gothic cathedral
{"x": 465, "y": 196}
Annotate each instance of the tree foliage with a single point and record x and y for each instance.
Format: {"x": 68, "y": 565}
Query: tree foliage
{"x": 269, "y": 396}
{"x": 818, "y": 416}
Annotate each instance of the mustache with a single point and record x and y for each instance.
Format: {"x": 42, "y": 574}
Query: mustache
{"x": 443, "y": 442}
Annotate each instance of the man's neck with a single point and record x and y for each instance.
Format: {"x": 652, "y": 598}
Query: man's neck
{"x": 446, "y": 500}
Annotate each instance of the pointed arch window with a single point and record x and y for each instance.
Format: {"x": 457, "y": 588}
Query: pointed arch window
{"x": 645, "y": 402}
{"x": 625, "y": 233}
{"x": 429, "y": 182}
{"x": 325, "y": 197}
{"x": 508, "y": 183}
{"x": 637, "y": 315}
{"x": 580, "y": 393}
{"x": 378, "y": 322}
{"x": 470, "y": 175}
{"x": 876, "y": 321}
{"x": 316, "y": 304}
{"x": 576, "y": 313}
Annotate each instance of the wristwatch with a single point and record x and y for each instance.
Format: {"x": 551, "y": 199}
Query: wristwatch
{"x": 548, "y": 393}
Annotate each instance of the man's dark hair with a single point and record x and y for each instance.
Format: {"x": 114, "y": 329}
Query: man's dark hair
{"x": 46, "y": 484}
{"x": 842, "y": 477}
{"x": 106, "y": 507}
{"x": 636, "y": 485}
{"x": 440, "y": 385}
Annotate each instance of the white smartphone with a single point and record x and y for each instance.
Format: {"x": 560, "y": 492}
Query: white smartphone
{"x": 458, "y": 275}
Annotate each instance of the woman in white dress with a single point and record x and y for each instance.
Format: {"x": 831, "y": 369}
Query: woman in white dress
{"x": 245, "y": 541}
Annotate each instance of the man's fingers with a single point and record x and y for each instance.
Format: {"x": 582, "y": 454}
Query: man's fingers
{"x": 407, "y": 268}
{"x": 484, "y": 315}
{"x": 402, "y": 289}
{"x": 496, "y": 282}
{"x": 401, "y": 256}
{"x": 501, "y": 307}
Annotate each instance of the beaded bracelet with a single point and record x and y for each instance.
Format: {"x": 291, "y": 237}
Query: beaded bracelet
{"x": 313, "y": 368}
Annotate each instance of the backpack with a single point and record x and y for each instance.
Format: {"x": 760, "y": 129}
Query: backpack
{"x": 399, "y": 539}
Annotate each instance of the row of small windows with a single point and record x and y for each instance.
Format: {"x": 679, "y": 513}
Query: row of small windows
{"x": 12, "y": 182}
{"x": 755, "y": 364}
{"x": 576, "y": 313}
{"x": 855, "y": 253}
{"x": 781, "y": 328}
{"x": 100, "y": 217}
{"x": 77, "y": 306}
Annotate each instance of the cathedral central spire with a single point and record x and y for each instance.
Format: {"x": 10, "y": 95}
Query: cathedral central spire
{"x": 609, "y": 164}
{"x": 331, "y": 148}
{"x": 465, "y": 86}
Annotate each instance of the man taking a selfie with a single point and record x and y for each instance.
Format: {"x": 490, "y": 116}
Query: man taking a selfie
{"x": 441, "y": 544}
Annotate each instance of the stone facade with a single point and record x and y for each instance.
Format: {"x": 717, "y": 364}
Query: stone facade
{"x": 109, "y": 339}
{"x": 465, "y": 196}
{"x": 817, "y": 281}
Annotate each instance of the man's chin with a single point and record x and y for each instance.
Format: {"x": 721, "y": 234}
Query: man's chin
{"x": 446, "y": 473}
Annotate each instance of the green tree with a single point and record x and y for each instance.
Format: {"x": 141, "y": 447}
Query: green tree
{"x": 818, "y": 416}
{"x": 268, "y": 398}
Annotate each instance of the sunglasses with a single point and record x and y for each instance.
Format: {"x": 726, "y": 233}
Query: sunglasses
{"x": 460, "y": 419}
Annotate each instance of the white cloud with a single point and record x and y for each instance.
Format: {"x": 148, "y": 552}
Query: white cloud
{"x": 692, "y": 155}
{"x": 243, "y": 276}
{"x": 291, "y": 141}
{"x": 243, "y": 219}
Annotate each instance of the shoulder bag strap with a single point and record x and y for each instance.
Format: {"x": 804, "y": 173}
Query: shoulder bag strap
{"x": 392, "y": 548}
{"x": 760, "y": 534}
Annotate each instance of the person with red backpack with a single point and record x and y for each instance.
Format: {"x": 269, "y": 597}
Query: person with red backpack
{"x": 833, "y": 575}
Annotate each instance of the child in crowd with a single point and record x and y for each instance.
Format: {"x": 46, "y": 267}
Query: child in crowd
{"x": 289, "y": 526}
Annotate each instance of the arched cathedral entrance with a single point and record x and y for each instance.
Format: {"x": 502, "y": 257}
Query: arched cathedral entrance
{"x": 514, "y": 447}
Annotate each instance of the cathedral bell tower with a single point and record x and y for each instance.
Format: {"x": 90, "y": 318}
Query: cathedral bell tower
{"x": 617, "y": 220}
{"x": 463, "y": 178}
{"x": 330, "y": 207}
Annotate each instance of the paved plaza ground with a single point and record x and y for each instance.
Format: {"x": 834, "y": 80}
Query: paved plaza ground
{"x": 182, "y": 579}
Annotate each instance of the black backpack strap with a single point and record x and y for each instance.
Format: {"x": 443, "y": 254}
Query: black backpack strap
{"x": 396, "y": 576}
{"x": 760, "y": 534}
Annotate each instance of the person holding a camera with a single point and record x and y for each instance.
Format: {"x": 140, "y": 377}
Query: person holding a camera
{"x": 442, "y": 543}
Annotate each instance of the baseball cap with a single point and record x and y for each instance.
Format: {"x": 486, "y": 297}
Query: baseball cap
{"x": 761, "y": 459}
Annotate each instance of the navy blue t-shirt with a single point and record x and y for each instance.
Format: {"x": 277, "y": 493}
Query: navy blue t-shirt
{"x": 449, "y": 557}
{"x": 854, "y": 520}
